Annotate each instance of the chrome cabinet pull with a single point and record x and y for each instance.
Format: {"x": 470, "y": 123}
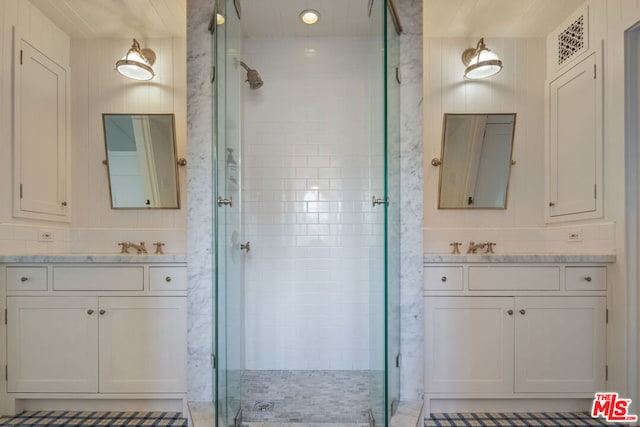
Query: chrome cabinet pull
{"x": 510, "y": 312}
{"x": 588, "y": 278}
{"x": 443, "y": 278}
{"x": 167, "y": 279}
{"x": 228, "y": 201}
{"x": 24, "y": 279}
{"x": 90, "y": 312}
{"x": 522, "y": 311}
{"x": 102, "y": 311}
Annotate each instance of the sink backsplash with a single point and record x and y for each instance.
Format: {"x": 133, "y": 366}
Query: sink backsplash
{"x": 578, "y": 238}
{"x": 23, "y": 239}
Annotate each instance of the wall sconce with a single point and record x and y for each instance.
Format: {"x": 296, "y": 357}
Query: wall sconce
{"x": 136, "y": 64}
{"x": 480, "y": 62}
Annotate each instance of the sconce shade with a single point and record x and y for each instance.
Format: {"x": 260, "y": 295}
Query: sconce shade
{"x": 136, "y": 64}
{"x": 480, "y": 62}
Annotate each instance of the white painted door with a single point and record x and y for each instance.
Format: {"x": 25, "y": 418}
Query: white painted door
{"x": 560, "y": 344}
{"x": 143, "y": 344}
{"x": 41, "y": 136}
{"x": 468, "y": 344}
{"x": 52, "y": 344}
{"x": 575, "y": 139}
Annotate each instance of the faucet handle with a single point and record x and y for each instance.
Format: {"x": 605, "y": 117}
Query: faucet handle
{"x": 159, "y": 246}
{"x": 125, "y": 247}
{"x": 490, "y": 246}
{"x": 456, "y": 247}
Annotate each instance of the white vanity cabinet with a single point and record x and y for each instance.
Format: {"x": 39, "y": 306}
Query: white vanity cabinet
{"x": 98, "y": 330}
{"x": 514, "y": 331}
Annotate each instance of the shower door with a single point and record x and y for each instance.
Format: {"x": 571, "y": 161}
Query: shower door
{"x": 228, "y": 225}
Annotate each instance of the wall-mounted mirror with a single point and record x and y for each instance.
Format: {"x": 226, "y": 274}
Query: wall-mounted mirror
{"x": 141, "y": 160}
{"x": 476, "y": 160}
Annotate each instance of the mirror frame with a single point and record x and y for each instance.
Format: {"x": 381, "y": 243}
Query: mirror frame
{"x": 442, "y": 161}
{"x": 175, "y": 158}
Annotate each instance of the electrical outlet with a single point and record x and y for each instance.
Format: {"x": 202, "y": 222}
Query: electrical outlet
{"x": 45, "y": 236}
{"x": 574, "y": 236}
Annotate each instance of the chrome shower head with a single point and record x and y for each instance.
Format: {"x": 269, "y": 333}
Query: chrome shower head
{"x": 254, "y": 79}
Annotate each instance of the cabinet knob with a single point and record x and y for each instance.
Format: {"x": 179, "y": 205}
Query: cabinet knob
{"x": 510, "y": 312}
{"x": 24, "y": 278}
{"x": 64, "y": 203}
{"x": 90, "y": 312}
{"x": 443, "y": 278}
{"x": 167, "y": 279}
{"x": 522, "y": 311}
{"x": 588, "y": 278}
{"x": 102, "y": 311}
{"x": 551, "y": 204}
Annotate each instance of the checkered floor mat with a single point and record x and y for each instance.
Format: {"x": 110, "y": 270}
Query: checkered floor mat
{"x": 86, "y": 419}
{"x": 524, "y": 419}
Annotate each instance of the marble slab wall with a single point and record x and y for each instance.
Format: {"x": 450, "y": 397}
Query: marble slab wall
{"x": 200, "y": 199}
{"x": 411, "y": 323}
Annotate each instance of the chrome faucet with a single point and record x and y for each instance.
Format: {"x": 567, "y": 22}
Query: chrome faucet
{"x": 473, "y": 247}
{"x": 140, "y": 249}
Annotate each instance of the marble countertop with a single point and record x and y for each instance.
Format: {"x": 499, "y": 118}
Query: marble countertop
{"x": 93, "y": 258}
{"x": 519, "y": 258}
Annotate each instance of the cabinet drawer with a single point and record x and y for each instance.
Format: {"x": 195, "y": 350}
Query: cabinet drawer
{"x": 26, "y": 278}
{"x": 586, "y": 278}
{"x": 98, "y": 278}
{"x": 514, "y": 278}
{"x": 443, "y": 278}
{"x": 168, "y": 278}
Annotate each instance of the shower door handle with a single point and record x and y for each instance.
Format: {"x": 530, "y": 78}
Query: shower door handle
{"x": 228, "y": 201}
{"x": 245, "y": 246}
{"x": 376, "y": 201}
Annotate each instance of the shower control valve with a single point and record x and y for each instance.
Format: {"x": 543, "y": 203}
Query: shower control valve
{"x": 245, "y": 246}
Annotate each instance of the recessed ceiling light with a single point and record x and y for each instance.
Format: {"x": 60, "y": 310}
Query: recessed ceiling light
{"x": 310, "y": 16}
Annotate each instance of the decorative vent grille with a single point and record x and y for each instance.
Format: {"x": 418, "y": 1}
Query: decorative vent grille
{"x": 571, "y": 40}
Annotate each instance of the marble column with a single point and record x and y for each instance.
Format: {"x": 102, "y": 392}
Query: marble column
{"x": 200, "y": 199}
{"x": 411, "y": 211}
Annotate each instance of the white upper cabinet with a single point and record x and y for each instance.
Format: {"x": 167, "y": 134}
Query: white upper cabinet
{"x": 574, "y": 179}
{"x": 41, "y": 115}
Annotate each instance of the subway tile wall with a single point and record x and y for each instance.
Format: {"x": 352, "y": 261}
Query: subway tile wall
{"x": 307, "y": 195}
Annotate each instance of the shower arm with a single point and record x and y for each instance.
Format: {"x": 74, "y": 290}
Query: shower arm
{"x": 245, "y": 66}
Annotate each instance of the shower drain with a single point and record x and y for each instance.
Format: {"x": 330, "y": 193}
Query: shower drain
{"x": 263, "y": 406}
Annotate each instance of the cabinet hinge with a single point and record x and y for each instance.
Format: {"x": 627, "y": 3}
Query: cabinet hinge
{"x": 21, "y": 56}
{"x": 21, "y": 191}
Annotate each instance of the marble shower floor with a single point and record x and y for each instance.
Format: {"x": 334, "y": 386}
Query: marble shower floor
{"x": 327, "y": 397}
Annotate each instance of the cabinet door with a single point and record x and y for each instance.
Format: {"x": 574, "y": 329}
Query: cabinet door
{"x": 575, "y": 142}
{"x": 560, "y": 344}
{"x": 41, "y": 137}
{"x": 468, "y": 344}
{"x": 52, "y": 344}
{"x": 143, "y": 344}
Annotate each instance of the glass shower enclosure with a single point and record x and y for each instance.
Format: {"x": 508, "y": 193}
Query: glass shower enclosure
{"x": 307, "y": 234}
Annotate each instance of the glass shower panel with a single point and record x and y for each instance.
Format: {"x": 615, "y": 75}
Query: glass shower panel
{"x": 374, "y": 208}
{"x": 392, "y": 114}
{"x": 228, "y": 230}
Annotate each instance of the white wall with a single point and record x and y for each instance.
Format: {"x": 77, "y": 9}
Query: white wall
{"x": 308, "y": 214}
{"x": 95, "y": 88}
{"x": 518, "y": 88}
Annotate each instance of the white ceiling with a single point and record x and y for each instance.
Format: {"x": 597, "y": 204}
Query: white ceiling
{"x": 495, "y": 18}
{"x": 117, "y": 18}
{"x": 443, "y": 18}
